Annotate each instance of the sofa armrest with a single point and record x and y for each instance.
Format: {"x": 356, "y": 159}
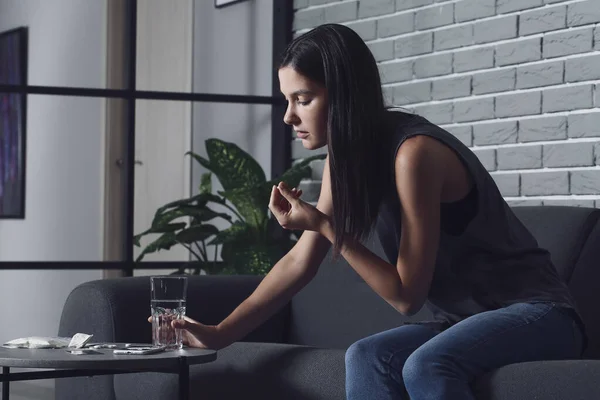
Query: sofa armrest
{"x": 116, "y": 310}
{"x": 548, "y": 380}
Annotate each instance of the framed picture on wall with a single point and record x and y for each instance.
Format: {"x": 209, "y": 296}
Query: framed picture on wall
{"x": 13, "y": 108}
{"x": 223, "y": 3}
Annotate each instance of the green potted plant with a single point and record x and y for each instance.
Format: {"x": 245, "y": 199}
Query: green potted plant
{"x": 252, "y": 241}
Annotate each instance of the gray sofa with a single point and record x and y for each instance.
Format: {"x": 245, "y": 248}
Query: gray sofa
{"x": 299, "y": 353}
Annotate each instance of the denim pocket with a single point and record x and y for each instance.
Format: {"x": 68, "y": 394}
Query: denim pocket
{"x": 532, "y": 311}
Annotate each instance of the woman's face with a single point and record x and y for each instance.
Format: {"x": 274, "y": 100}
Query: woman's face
{"x": 307, "y": 107}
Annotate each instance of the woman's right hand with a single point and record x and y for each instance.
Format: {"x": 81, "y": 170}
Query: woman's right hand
{"x": 196, "y": 334}
{"x": 199, "y": 335}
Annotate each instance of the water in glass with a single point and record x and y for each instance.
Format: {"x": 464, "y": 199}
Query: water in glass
{"x": 163, "y": 313}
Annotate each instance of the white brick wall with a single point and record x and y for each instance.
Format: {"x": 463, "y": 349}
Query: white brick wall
{"x": 516, "y": 80}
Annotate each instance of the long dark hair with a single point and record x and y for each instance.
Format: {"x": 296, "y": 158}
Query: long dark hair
{"x": 337, "y": 58}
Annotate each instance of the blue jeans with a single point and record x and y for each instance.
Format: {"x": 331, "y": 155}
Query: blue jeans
{"x": 418, "y": 361}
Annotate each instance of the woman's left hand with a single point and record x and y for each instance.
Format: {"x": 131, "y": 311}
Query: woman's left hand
{"x": 292, "y": 212}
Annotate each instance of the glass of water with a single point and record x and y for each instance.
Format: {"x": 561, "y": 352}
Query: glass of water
{"x": 168, "y": 295}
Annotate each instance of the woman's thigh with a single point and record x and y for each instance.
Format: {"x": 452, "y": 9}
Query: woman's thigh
{"x": 517, "y": 333}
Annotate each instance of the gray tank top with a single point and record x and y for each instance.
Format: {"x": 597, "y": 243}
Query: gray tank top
{"x": 493, "y": 262}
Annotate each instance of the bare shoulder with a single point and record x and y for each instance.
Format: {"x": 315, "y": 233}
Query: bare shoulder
{"x": 422, "y": 151}
{"x": 425, "y": 161}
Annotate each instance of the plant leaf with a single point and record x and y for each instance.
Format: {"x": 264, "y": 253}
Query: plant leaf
{"x": 205, "y": 183}
{"x": 249, "y": 253}
{"x": 163, "y": 242}
{"x": 230, "y": 234}
{"x": 252, "y": 203}
{"x": 205, "y": 214}
{"x": 200, "y": 200}
{"x": 251, "y": 258}
{"x": 201, "y": 160}
{"x": 196, "y": 233}
{"x": 159, "y": 229}
{"x": 198, "y": 214}
{"x": 234, "y": 167}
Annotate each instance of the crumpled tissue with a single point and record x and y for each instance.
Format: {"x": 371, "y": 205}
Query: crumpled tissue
{"x": 44, "y": 342}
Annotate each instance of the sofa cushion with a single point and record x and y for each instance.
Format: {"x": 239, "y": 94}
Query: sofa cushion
{"x": 584, "y": 286}
{"x": 562, "y": 230}
{"x": 572, "y": 235}
{"x": 547, "y": 380}
{"x": 249, "y": 371}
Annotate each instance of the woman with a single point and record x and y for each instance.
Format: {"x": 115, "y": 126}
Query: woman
{"x": 451, "y": 240}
